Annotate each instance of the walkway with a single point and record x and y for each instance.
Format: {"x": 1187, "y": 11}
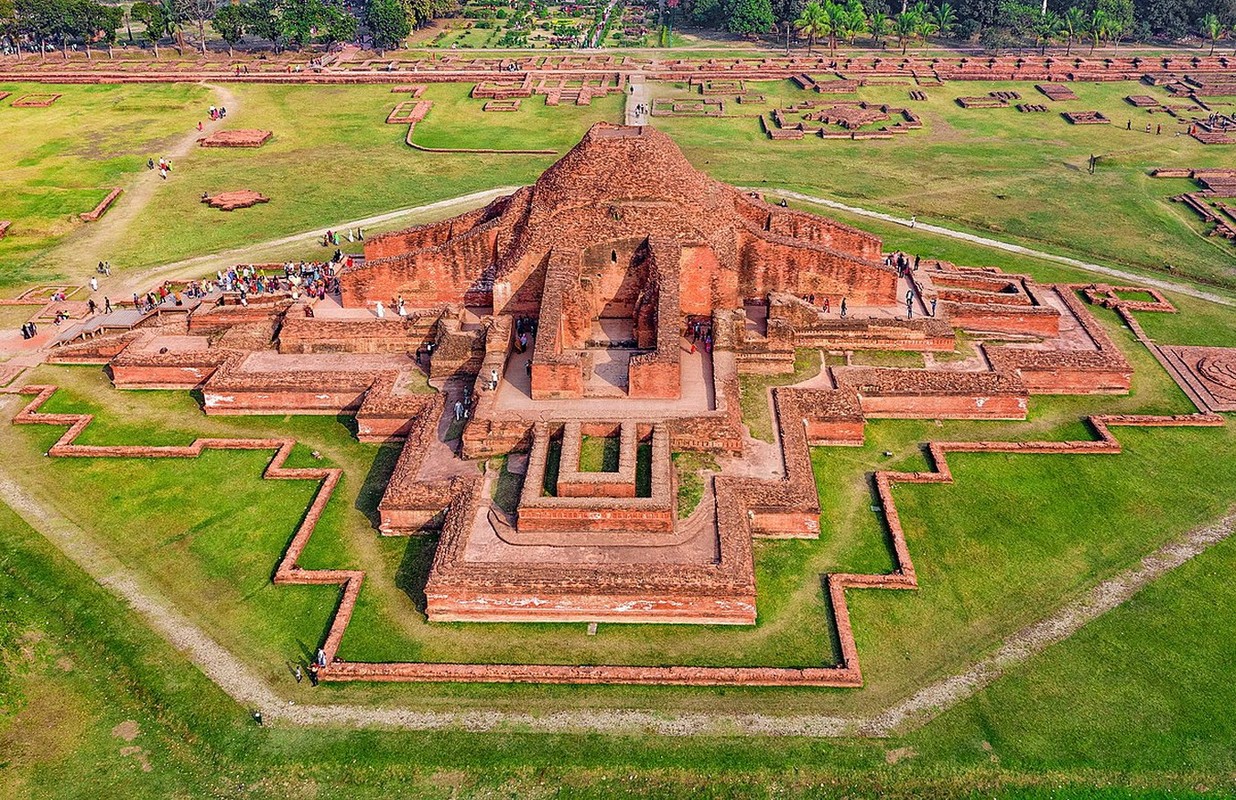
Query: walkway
{"x": 639, "y": 101}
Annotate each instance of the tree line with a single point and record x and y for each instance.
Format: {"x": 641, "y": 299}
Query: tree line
{"x": 49, "y": 24}
{"x": 996, "y": 24}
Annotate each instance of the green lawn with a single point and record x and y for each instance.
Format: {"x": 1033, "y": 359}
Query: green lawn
{"x": 60, "y": 161}
{"x": 1101, "y": 715}
{"x": 332, "y": 160}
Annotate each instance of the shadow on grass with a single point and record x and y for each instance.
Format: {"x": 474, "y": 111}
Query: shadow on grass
{"x": 886, "y": 540}
{"x": 413, "y": 571}
{"x": 376, "y": 479}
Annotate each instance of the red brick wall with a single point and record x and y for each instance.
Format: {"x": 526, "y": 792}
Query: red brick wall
{"x": 449, "y": 604}
{"x": 945, "y": 406}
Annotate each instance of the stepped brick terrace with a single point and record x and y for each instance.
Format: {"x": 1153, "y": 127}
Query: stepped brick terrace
{"x": 612, "y": 307}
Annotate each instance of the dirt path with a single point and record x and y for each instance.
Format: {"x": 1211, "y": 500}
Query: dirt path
{"x": 1111, "y": 272}
{"x": 99, "y": 239}
{"x": 250, "y": 691}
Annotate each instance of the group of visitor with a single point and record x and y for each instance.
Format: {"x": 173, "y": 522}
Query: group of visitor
{"x": 525, "y": 330}
{"x": 29, "y": 330}
{"x": 332, "y": 238}
{"x": 165, "y": 166}
{"x": 313, "y": 279}
{"x": 700, "y": 331}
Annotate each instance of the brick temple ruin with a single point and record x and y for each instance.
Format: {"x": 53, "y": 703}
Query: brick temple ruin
{"x": 618, "y": 300}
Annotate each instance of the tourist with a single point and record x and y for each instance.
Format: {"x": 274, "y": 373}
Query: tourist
{"x": 94, "y": 308}
{"x": 313, "y": 673}
{"x": 1129, "y": 125}
{"x": 913, "y": 221}
{"x": 909, "y": 309}
{"x": 1158, "y": 131}
{"x": 150, "y": 163}
{"x": 458, "y": 410}
{"x": 493, "y": 378}
{"x": 381, "y": 312}
{"x": 826, "y": 307}
{"x": 933, "y": 306}
{"x": 25, "y": 331}
{"x": 321, "y": 658}
{"x": 94, "y": 284}
{"x": 843, "y": 308}
{"x": 299, "y": 675}
{"x": 107, "y": 305}
{"x": 1147, "y": 127}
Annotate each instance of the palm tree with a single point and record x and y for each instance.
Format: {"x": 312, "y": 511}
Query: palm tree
{"x": 812, "y": 23}
{"x": 944, "y": 18}
{"x": 1046, "y": 28}
{"x": 1098, "y": 27}
{"x": 855, "y": 20}
{"x": 835, "y": 24}
{"x": 1073, "y": 26}
{"x": 877, "y": 24}
{"x": 1212, "y": 29}
{"x": 926, "y": 22}
{"x": 905, "y": 25}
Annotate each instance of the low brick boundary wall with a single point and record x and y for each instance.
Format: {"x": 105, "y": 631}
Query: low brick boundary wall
{"x": 101, "y": 209}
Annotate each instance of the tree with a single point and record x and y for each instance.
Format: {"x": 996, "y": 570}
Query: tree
{"x": 1212, "y": 29}
{"x": 262, "y": 20}
{"x": 855, "y": 20}
{"x": 1119, "y": 18}
{"x": 229, "y": 23}
{"x": 9, "y": 25}
{"x": 388, "y": 22}
{"x": 1097, "y": 28}
{"x": 1073, "y": 26}
{"x": 945, "y": 19}
{"x": 750, "y": 16}
{"x": 38, "y": 21}
{"x": 154, "y": 17}
{"x": 199, "y": 12}
{"x": 834, "y": 24}
{"x": 338, "y": 24}
{"x": 708, "y": 12}
{"x": 812, "y": 23}
{"x": 926, "y": 24}
{"x": 877, "y": 24}
{"x": 112, "y": 17}
{"x": 1046, "y": 28}
{"x": 905, "y": 25}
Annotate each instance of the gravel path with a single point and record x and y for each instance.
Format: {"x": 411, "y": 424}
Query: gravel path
{"x": 247, "y": 689}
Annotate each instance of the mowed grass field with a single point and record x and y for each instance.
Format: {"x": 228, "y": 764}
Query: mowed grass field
{"x": 60, "y": 161}
{"x": 94, "y": 703}
{"x": 1018, "y": 177}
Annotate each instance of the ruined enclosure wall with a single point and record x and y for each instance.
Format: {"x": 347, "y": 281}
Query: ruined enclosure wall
{"x": 423, "y": 277}
{"x": 826, "y": 232}
{"x": 771, "y": 265}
